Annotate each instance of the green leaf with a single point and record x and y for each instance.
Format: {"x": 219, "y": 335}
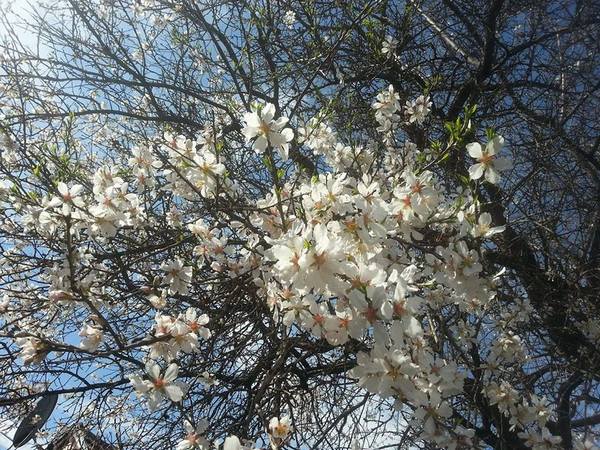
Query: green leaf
{"x": 267, "y": 162}
{"x": 490, "y": 133}
{"x": 464, "y": 179}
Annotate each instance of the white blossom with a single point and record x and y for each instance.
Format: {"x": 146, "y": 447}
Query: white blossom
{"x": 92, "y": 336}
{"x": 260, "y": 124}
{"x": 418, "y": 109}
{"x": 194, "y": 438}
{"x": 178, "y": 276}
{"x": 289, "y": 18}
{"x": 488, "y": 163}
{"x": 280, "y": 427}
{"x": 158, "y": 386}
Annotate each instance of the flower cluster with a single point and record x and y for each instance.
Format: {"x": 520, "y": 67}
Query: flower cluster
{"x": 369, "y": 256}
{"x": 387, "y": 111}
{"x": 289, "y": 19}
{"x": 418, "y": 109}
{"x": 178, "y": 334}
{"x": 192, "y": 168}
{"x": 261, "y": 124}
{"x": 157, "y": 386}
{"x": 386, "y": 106}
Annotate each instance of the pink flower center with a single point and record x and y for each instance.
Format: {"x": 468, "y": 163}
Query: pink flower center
{"x": 319, "y": 259}
{"x": 192, "y": 438}
{"x": 371, "y": 314}
{"x": 264, "y": 128}
{"x": 399, "y": 309}
{"x": 486, "y": 159}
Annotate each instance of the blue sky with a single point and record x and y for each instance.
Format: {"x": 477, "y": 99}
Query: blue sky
{"x": 21, "y": 7}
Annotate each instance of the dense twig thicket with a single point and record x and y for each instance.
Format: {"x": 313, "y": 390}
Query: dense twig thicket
{"x": 309, "y": 224}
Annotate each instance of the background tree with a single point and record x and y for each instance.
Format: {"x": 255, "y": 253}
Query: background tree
{"x": 106, "y": 77}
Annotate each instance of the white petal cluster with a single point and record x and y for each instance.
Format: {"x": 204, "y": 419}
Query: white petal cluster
{"x": 177, "y": 276}
{"x": 344, "y": 270}
{"x": 386, "y": 106}
{"x": 289, "y": 19}
{"x": 260, "y": 125}
{"x": 145, "y": 165}
{"x": 92, "y": 336}
{"x": 507, "y": 348}
{"x": 380, "y": 259}
{"x": 68, "y": 199}
{"x": 194, "y": 438}
{"x": 543, "y": 440}
{"x": 157, "y": 386}
{"x": 33, "y": 350}
{"x": 484, "y": 228}
{"x": 318, "y": 136}
{"x": 178, "y": 334}
{"x": 279, "y": 430}
{"x": 193, "y": 168}
{"x": 488, "y": 163}
{"x": 417, "y": 110}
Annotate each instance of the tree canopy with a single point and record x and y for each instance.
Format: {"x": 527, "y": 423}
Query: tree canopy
{"x": 303, "y": 224}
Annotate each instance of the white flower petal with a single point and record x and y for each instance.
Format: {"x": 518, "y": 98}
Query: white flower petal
{"x": 476, "y": 171}
{"x": 260, "y": 144}
{"x": 268, "y": 112}
{"x": 252, "y": 119}
{"x": 492, "y": 176}
{"x": 287, "y": 134}
{"x": 284, "y": 151}
{"x": 171, "y": 373}
{"x": 232, "y": 443}
{"x": 475, "y": 150}
{"x": 276, "y": 139}
{"x": 495, "y": 145}
{"x": 174, "y": 392}
{"x": 153, "y": 370}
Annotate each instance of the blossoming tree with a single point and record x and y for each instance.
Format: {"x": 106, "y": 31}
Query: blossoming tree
{"x": 237, "y": 261}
